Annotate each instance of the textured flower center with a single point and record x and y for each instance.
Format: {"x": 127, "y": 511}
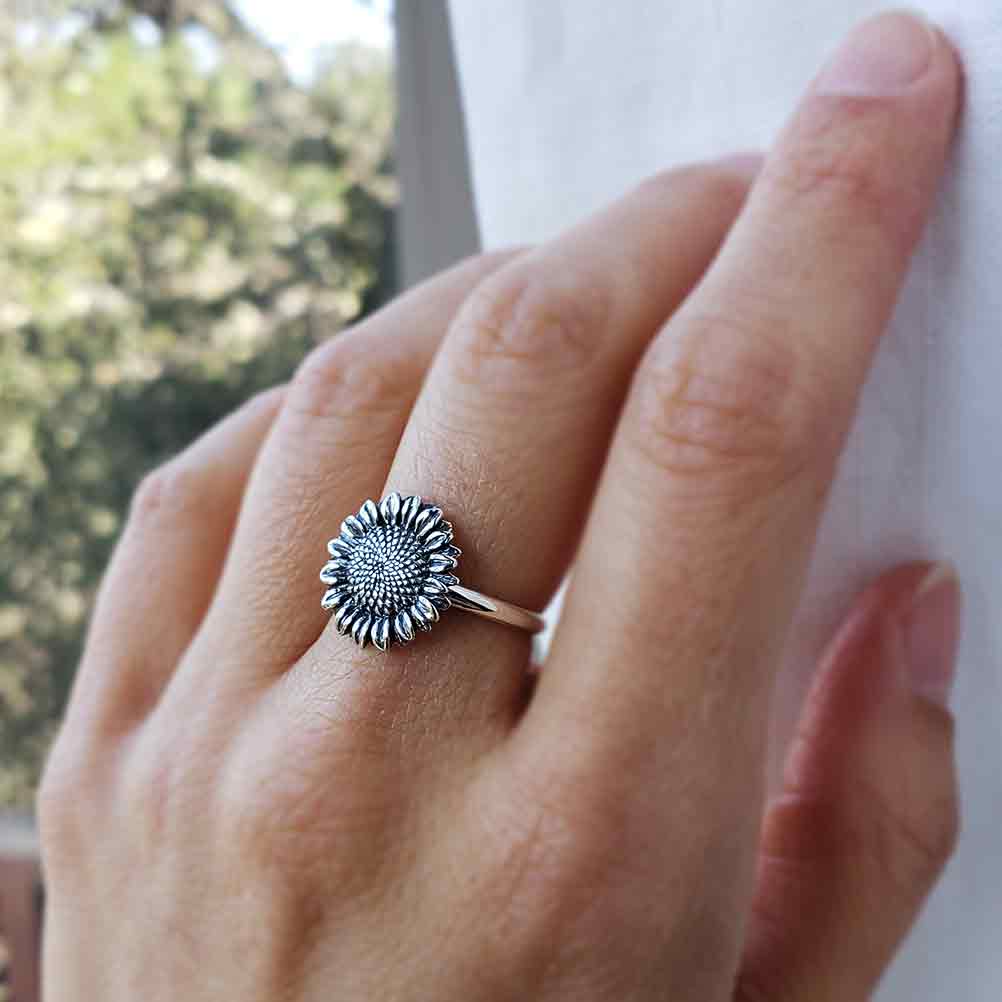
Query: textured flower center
{"x": 387, "y": 569}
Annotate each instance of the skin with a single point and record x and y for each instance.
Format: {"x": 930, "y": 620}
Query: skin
{"x": 243, "y": 805}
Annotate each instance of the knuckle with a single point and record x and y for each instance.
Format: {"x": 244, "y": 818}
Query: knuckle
{"x": 288, "y": 819}
{"x": 911, "y": 842}
{"x": 157, "y": 492}
{"x": 527, "y": 322}
{"x": 173, "y": 491}
{"x": 346, "y": 377}
{"x": 55, "y": 805}
{"x": 839, "y": 160}
{"x": 64, "y": 805}
{"x": 723, "y": 400}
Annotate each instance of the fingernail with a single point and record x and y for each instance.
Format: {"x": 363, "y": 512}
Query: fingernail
{"x": 931, "y": 631}
{"x": 882, "y": 56}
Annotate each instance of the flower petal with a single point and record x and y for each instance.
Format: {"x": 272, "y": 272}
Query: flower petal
{"x": 439, "y": 562}
{"x": 435, "y": 542}
{"x": 381, "y": 633}
{"x": 448, "y": 580}
{"x": 332, "y": 571}
{"x": 344, "y": 617}
{"x": 390, "y": 508}
{"x": 453, "y": 551}
{"x": 403, "y": 627}
{"x": 426, "y": 521}
{"x": 411, "y": 506}
{"x": 352, "y": 527}
{"x": 340, "y": 547}
{"x": 369, "y": 513}
{"x": 424, "y": 613}
{"x": 333, "y": 597}
{"x": 360, "y": 629}
{"x": 433, "y": 586}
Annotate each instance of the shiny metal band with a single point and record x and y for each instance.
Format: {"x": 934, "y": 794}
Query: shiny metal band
{"x": 495, "y": 609}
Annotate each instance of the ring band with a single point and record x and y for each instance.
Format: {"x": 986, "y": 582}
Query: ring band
{"x": 495, "y": 609}
{"x": 390, "y": 573}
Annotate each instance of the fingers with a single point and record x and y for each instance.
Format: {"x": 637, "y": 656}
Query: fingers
{"x": 329, "y": 449}
{"x": 868, "y": 816}
{"x": 512, "y": 426}
{"x": 167, "y": 564}
{"x": 701, "y": 530}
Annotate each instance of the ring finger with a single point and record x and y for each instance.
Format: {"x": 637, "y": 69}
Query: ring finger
{"x": 330, "y": 447}
{"x": 511, "y": 428}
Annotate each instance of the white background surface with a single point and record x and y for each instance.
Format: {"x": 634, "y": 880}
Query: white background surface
{"x": 570, "y": 101}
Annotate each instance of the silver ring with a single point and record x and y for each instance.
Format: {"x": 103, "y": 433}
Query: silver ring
{"x": 391, "y": 572}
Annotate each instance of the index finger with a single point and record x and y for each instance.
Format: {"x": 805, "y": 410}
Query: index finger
{"x": 699, "y": 538}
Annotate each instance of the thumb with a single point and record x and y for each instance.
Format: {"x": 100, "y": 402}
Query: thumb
{"x": 868, "y": 816}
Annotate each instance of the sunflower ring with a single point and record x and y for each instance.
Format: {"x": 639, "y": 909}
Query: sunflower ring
{"x": 391, "y": 573}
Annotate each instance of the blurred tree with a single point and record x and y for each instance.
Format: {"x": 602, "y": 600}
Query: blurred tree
{"x": 180, "y": 221}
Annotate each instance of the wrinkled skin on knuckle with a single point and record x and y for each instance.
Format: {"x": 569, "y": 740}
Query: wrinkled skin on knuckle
{"x": 170, "y": 494}
{"x": 723, "y": 409}
{"x": 904, "y": 807}
{"x": 908, "y": 842}
{"x": 839, "y": 164}
{"x": 895, "y": 844}
{"x": 345, "y": 377}
{"x": 534, "y": 320}
{"x": 340, "y": 388}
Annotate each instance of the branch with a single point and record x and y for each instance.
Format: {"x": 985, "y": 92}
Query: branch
{"x": 219, "y": 18}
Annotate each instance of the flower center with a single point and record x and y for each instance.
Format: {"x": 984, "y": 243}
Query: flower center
{"x": 387, "y": 570}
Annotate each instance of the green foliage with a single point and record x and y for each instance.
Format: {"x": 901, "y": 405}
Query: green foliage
{"x": 180, "y": 223}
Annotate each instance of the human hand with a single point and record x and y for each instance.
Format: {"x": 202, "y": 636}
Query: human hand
{"x": 243, "y": 805}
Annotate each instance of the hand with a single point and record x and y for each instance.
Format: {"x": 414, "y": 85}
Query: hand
{"x": 243, "y": 805}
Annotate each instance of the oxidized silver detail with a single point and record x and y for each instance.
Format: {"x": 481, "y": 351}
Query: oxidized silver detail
{"x": 390, "y": 571}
